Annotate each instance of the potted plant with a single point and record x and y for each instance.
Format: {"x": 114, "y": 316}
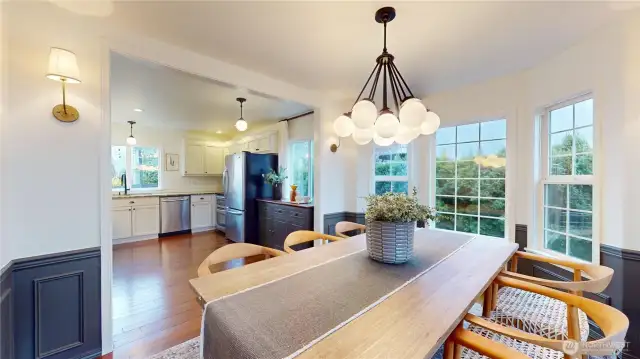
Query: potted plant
{"x": 391, "y": 221}
{"x": 275, "y": 179}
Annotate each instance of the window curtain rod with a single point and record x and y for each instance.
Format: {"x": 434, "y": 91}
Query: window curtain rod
{"x": 297, "y": 116}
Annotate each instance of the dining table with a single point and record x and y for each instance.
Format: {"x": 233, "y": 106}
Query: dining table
{"x": 332, "y": 301}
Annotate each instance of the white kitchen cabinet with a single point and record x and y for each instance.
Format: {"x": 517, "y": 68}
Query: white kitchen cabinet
{"x": 265, "y": 144}
{"x": 145, "y": 220}
{"x": 213, "y": 160}
{"x": 121, "y": 222}
{"x": 201, "y": 215}
{"x": 194, "y": 159}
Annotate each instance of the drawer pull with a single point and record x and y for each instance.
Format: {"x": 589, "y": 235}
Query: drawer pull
{"x": 132, "y": 202}
{"x": 202, "y": 197}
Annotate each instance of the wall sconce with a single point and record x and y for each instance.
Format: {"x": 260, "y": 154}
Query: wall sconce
{"x": 63, "y": 67}
{"x": 334, "y": 148}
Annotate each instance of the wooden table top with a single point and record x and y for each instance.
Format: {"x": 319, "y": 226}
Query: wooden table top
{"x": 412, "y": 323}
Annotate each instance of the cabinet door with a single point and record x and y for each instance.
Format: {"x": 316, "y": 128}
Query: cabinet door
{"x": 254, "y": 146}
{"x": 264, "y": 144}
{"x": 213, "y": 160}
{"x": 201, "y": 215}
{"x": 280, "y": 232}
{"x": 194, "y": 160}
{"x": 146, "y": 220}
{"x": 121, "y": 222}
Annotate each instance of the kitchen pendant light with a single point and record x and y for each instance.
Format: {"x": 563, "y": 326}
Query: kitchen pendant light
{"x": 365, "y": 122}
{"x": 241, "y": 124}
{"x": 131, "y": 141}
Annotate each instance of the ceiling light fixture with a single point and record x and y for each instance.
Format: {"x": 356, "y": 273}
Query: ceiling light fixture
{"x": 365, "y": 123}
{"x": 219, "y": 132}
{"x": 137, "y": 110}
{"x": 241, "y": 124}
{"x": 131, "y": 141}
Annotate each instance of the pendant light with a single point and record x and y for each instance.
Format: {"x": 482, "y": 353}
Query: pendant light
{"x": 131, "y": 141}
{"x": 365, "y": 122}
{"x": 241, "y": 124}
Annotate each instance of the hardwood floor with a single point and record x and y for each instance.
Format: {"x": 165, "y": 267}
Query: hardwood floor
{"x": 153, "y": 306}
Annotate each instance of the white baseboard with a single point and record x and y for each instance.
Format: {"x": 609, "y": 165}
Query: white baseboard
{"x": 135, "y": 239}
{"x": 202, "y": 229}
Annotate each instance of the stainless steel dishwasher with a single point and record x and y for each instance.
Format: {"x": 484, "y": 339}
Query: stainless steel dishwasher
{"x": 175, "y": 214}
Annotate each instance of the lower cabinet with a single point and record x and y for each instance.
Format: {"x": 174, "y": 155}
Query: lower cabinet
{"x": 278, "y": 220}
{"x": 202, "y": 212}
{"x": 136, "y": 217}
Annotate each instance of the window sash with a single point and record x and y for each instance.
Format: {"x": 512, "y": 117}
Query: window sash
{"x": 390, "y": 150}
{"x": 547, "y": 178}
{"x": 309, "y": 165}
{"x": 129, "y": 170}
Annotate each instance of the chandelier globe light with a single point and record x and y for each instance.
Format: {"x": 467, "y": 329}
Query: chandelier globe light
{"x": 343, "y": 125}
{"x": 366, "y": 122}
{"x": 381, "y": 141}
{"x": 362, "y": 136}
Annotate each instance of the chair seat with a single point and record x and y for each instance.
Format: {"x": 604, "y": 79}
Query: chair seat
{"x": 528, "y": 349}
{"x": 535, "y": 313}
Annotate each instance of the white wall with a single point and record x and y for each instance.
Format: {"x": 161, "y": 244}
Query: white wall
{"x": 168, "y": 141}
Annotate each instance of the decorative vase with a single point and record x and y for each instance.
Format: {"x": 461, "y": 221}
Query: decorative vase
{"x": 293, "y": 193}
{"x": 390, "y": 242}
{"x": 277, "y": 191}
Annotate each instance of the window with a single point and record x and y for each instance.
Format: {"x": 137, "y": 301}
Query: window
{"x": 390, "y": 172}
{"x": 301, "y": 164}
{"x": 567, "y": 181}
{"x": 470, "y": 178}
{"x": 141, "y": 165}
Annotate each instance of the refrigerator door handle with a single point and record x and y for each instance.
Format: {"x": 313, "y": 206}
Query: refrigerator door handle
{"x": 224, "y": 181}
{"x": 234, "y": 212}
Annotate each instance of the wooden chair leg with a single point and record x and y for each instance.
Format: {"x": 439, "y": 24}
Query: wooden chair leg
{"x": 448, "y": 349}
{"x": 457, "y": 351}
{"x": 494, "y": 297}
{"x": 488, "y": 301}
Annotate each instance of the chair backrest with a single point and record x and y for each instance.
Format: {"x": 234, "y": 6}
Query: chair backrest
{"x": 599, "y": 276}
{"x": 298, "y": 237}
{"x": 344, "y": 226}
{"x": 613, "y": 322}
{"x": 235, "y": 251}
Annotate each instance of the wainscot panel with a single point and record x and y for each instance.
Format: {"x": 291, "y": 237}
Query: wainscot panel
{"x": 6, "y": 313}
{"x": 57, "y": 300}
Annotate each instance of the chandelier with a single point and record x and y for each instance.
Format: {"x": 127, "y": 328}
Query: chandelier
{"x": 365, "y": 123}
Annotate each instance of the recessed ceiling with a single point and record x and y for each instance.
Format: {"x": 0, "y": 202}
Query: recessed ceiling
{"x": 173, "y": 99}
{"x": 332, "y": 46}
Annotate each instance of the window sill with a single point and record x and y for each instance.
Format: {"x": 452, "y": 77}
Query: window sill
{"x": 473, "y": 234}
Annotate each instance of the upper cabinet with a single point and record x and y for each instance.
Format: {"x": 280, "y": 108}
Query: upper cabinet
{"x": 202, "y": 159}
{"x": 265, "y": 144}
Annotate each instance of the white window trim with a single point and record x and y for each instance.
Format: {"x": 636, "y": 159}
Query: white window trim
{"x": 310, "y": 169}
{"x": 375, "y": 178}
{"x": 545, "y": 178}
{"x": 129, "y": 171}
{"x": 509, "y": 234}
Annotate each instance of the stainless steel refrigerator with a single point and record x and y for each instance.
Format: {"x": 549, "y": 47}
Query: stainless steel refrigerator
{"x": 243, "y": 183}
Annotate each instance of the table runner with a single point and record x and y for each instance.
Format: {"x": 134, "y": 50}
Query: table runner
{"x": 283, "y": 318}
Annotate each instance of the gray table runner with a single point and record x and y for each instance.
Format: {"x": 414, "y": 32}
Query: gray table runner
{"x": 283, "y": 318}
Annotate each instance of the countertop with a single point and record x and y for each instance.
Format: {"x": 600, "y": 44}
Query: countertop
{"x": 286, "y": 203}
{"x": 165, "y": 194}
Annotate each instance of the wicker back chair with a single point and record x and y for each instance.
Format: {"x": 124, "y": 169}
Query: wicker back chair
{"x": 235, "y": 251}
{"x": 538, "y": 314}
{"x": 344, "y": 226}
{"x": 464, "y": 344}
{"x": 299, "y": 237}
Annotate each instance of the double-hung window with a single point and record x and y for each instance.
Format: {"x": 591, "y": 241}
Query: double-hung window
{"x": 140, "y": 164}
{"x": 566, "y": 186}
{"x": 470, "y": 178}
{"x": 301, "y": 167}
{"x": 390, "y": 169}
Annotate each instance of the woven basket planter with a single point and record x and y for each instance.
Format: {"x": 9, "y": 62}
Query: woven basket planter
{"x": 390, "y": 242}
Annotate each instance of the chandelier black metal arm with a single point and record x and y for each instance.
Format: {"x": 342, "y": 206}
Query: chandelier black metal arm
{"x": 391, "y": 77}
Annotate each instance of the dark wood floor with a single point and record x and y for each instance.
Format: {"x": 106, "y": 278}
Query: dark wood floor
{"x": 153, "y": 306}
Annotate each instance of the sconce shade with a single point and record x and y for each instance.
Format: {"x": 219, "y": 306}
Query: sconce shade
{"x": 63, "y": 66}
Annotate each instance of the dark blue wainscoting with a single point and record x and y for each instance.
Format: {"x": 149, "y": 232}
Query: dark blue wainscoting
{"x": 56, "y": 306}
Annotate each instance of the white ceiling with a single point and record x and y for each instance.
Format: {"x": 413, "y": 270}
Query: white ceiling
{"x": 173, "y": 99}
{"x": 332, "y": 46}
